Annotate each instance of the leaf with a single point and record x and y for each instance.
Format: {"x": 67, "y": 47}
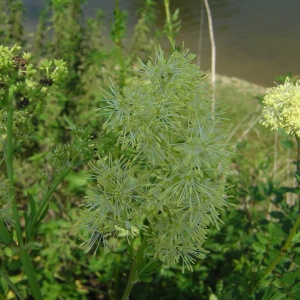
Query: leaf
{"x": 273, "y": 252}
{"x": 279, "y": 296}
{"x": 277, "y": 214}
{"x": 296, "y": 290}
{"x": 296, "y": 238}
{"x": 286, "y": 144}
{"x": 213, "y": 297}
{"x": 271, "y": 230}
{"x": 5, "y": 235}
{"x": 29, "y": 217}
{"x": 297, "y": 177}
{"x": 268, "y": 293}
{"x": 146, "y": 279}
{"x": 297, "y": 259}
{"x": 262, "y": 239}
{"x": 27, "y": 224}
{"x": 258, "y": 247}
{"x": 289, "y": 278}
{"x": 41, "y": 218}
{"x": 282, "y": 132}
{"x": 45, "y": 63}
{"x": 275, "y": 232}
{"x": 296, "y": 249}
{"x": 37, "y": 156}
{"x": 145, "y": 274}
{"x": 175, "y": 16}
{"x": 76, "y": 179}
{"x": 32, "y": 205}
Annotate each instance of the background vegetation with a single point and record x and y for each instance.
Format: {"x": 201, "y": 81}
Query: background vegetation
{"x": 261, "y": 180}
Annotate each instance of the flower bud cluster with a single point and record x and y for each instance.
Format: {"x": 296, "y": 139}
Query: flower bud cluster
{"x": 69, "y": 154}
{"x": 282, "y": 107}
{"x": 171, "y": 190}
{"x": 17, "y": 71}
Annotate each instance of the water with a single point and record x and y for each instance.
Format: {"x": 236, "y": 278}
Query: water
{"x": 256, "y": 40}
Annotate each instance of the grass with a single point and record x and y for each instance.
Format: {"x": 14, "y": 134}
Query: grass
{"x": 260, "y": 150}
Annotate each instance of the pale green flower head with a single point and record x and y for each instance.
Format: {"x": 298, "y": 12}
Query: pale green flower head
{"x": 114, "y": 206}
{"x": 282, "y": 107}
{"x": 171, "y": 191}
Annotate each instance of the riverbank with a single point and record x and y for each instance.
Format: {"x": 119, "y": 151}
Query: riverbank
{"x": 240, "y": 103}
{"x": 238, "y": 98}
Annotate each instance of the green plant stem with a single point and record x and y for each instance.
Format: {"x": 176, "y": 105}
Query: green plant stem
{"x": 117, "y": 271}
{"x": 298, "y": 154}
{"x": 283, "y": 250}
{"x": 9, "y": 164}
{"x": 31, "y": 276}
{"x": 168, "y": 19}
{"x": 298, "y": 169}
{"x": 133, "y": 275}
{"x": 53, "y": 187}
{"x": 24, "y": 256}
{"x": 49, "y": 193}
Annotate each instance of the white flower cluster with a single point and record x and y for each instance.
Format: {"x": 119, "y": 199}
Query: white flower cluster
{"x": 282, "y": 107}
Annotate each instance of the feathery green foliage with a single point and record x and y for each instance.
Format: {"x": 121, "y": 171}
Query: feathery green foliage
{"x": 169, "y": 191}
{"x": 159, "y": 168}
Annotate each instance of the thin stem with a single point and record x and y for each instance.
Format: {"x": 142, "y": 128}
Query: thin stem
{"x": 133, "y": 275}
{"x": 298, "y": 154}
{"x": 31, "y": 276}
{"x": 275, "y": 156}
{"x": 283, "y": 250}
{"x": 10, "y": 175}
{"x": 49, "y": 193}
{"x": 53, "y": 187}
{"x": 117, "y": 277}
{"x": 200, "y": 36}
{"x": 213, "y": 55}
{"x": 9, "y": 164}
{"x": 168, "y": 19}
{"x": 298, "y": 169}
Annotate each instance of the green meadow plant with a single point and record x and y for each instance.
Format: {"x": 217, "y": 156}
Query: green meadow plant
{"x": 166, "y": 189}
{"x": 117, "y": 34}
{"x": 172, "y": 24}
{"x": 256, "y": 255}
{"x": 281, "y": 111}
{"x": 160, "y": 170}
{"x": 146, "y": 33}
{"x": 11, "y": 28}
{"x": 24, "y": 91}
{"x": 264, "y": 258}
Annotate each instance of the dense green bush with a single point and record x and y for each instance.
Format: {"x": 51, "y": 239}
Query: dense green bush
{"x": 49, "y": 135}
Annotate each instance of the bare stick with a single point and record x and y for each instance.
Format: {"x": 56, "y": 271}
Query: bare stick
{"x": 213, "y": 55}
{"x": 200, "y": 35}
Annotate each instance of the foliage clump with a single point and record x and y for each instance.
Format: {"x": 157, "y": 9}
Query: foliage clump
{"x": 168, "y": 189}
